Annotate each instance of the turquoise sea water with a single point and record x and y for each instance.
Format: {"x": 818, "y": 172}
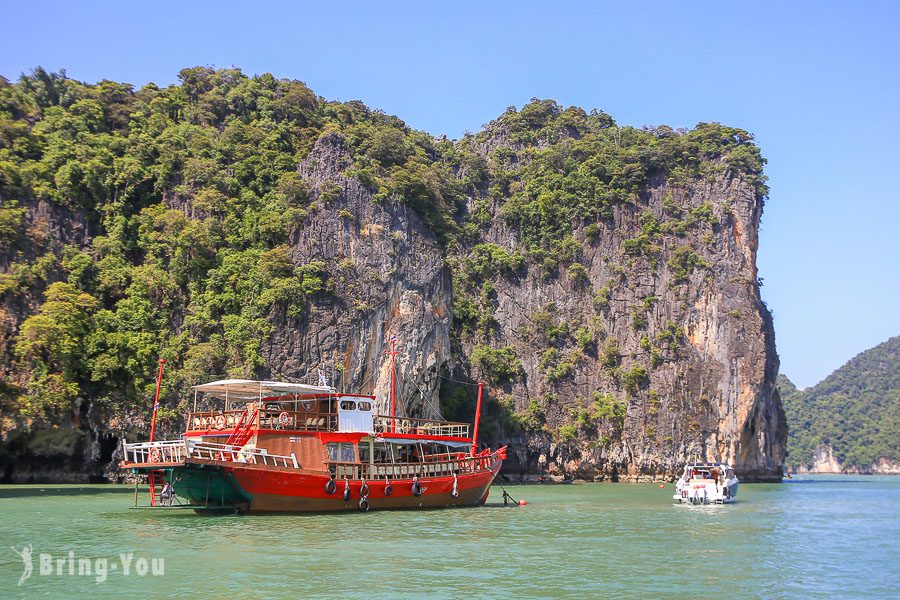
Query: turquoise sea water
{"x": 827, "y": 536}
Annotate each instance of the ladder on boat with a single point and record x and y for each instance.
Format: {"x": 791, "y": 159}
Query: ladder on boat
{"x": 243, "y": 429}
{"x": 154, "y": 478}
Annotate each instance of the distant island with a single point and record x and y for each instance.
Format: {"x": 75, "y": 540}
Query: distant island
{"x": 850, "y": 421}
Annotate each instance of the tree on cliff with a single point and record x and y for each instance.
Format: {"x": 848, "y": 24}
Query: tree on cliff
{"x": 164, "y": 222}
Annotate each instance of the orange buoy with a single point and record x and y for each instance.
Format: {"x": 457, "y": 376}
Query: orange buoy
{"x": 662, "y": 485}
{"x": 522, "y": 503}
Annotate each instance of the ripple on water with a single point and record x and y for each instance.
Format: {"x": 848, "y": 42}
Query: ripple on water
{"x": 830, "y": 537}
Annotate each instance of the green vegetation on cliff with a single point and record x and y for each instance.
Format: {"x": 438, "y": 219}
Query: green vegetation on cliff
{"x": 186, "y": 199}
{"x": 191, "y": 193}
{"x": 855, "y": 411}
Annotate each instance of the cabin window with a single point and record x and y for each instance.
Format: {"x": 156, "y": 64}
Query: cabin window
{"x": 340, "y": 452}
{"x": 364, "y": 452}
{"x": 408, "y": 453}
{"x": 365, "y": 406}
{"x": 348, "y": 405}
{"x": 383, "y": 453}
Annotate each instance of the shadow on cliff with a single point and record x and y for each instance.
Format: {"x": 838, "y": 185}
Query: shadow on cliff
{"x": 56, "y": 456}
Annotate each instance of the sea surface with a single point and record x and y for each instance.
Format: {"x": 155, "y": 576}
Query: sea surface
{"x": 815, "y": 537}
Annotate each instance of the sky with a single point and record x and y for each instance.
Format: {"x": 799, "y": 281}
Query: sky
{"x": 816, "y": 82}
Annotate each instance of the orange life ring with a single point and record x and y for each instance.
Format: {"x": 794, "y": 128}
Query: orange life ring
{"x": 284, "y": 419}
{"x": 154, "y": 455}
{"x": 220, "y": 422}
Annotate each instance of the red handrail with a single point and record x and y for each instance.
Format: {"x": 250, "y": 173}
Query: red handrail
{"x": 244, "y": 429}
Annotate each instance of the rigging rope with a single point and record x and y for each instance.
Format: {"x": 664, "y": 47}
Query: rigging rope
{"x": 437, "y": 409}
{"x": 459, "y": 381}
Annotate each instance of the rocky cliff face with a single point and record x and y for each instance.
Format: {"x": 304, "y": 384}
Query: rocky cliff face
{"x": 703, "y": 339}
{"x": 824, "y": 462}
{"x": 601, "y": 279}
{"x": 390, "y": 281}
{"x": 689, "y": 356}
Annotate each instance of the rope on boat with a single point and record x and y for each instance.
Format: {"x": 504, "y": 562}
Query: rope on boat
{"x": 507, "y": 497}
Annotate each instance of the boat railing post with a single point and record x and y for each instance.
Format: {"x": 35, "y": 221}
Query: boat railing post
{"x": 294, "y": 458}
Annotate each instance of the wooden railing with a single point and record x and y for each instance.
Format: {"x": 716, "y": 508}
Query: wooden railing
{"x": 431, "y": 427}
{"x": 267, "y": 419}
{"x": 173, "y": 451}
{"x": 214, "y": 420}
{"x": 177, "y": 451}
{"x": 445, "y": 468}
{"x": 320, "y": 421}
{"x": 209, "y": 451}
{"x": 298, "y": 420}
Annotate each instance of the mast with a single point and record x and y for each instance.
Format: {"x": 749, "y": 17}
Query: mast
{"x": 151, "y": 476}
{"x": 477, "y": 420}
{"x": 162, "y": 361}
{"x": 393, "y": 352}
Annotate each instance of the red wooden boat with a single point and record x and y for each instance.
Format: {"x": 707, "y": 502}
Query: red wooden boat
{"x": 274, "y": 446}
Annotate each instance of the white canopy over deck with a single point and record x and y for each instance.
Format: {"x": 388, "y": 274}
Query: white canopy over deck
{"x": 249, "y": 389}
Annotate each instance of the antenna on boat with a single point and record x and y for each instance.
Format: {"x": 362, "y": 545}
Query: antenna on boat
{"x": 393, "y": 353}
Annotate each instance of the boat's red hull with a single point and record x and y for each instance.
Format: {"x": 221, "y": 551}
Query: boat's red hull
{"x": 289, "y": 492}
{"x": 248, "y": 488}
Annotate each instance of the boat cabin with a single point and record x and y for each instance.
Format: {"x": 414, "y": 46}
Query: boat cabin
{"x": 702, "y": 471}
{"x": 321, "y": 428}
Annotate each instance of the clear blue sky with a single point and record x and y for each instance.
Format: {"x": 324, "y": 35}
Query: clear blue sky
{"x": 817, "y": 82}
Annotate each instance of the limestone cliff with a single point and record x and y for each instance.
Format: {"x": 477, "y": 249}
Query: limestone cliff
{"x": 602, "y": 279}
{"x": 689, "y": 355}
{"x": 390, "y": 281}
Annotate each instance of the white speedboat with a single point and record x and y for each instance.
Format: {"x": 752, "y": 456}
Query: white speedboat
{"x": 706, "y": 483}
